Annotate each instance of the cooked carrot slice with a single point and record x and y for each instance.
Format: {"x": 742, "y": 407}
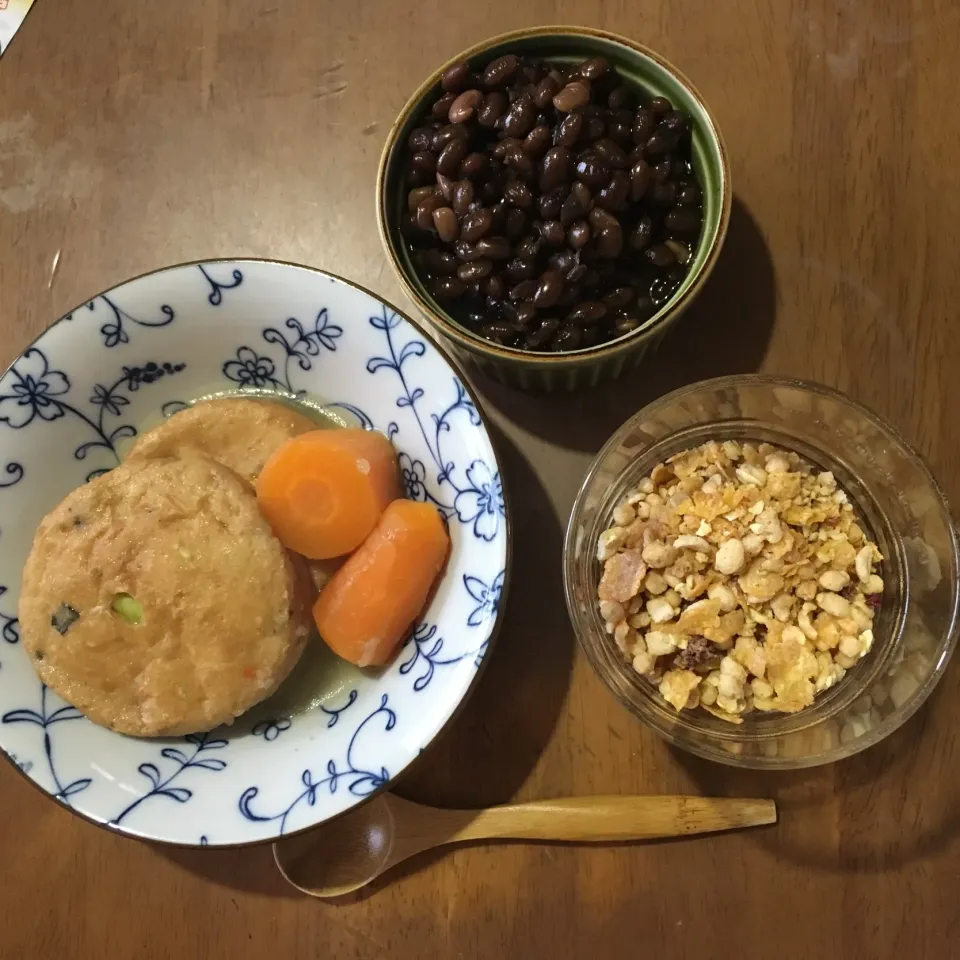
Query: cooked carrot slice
{"x": 370, "y": 602}
{"x": 324, "y": 491}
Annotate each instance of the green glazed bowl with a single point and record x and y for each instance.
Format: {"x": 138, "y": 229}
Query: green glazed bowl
{"x": 639, "y": 67}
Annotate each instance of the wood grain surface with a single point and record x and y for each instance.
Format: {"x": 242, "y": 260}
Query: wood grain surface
{"x": 135, "y": 134}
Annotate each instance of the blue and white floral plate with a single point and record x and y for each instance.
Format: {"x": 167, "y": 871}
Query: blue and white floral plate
{"x": 148, "y": 347}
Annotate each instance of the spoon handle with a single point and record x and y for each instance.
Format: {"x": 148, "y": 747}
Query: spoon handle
{"x": 596, "y": 819}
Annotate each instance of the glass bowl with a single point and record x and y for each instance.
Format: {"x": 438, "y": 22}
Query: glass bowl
{"x": 897, "y": 500}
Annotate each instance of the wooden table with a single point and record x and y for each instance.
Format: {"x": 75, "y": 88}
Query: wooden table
{"x": 136, "y": 134}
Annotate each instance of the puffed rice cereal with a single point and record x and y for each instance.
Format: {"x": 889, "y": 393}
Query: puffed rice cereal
{"x": 736, "y": 577}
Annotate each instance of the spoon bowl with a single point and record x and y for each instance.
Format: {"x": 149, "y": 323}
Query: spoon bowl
{"x": 346, "y": 854}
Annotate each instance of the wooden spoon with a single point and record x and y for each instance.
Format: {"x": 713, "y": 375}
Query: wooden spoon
{"x": 351, "y": 851}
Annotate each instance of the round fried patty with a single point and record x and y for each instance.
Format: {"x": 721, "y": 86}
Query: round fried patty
{"x": 238, "y": 432}
{"x": 180, "y": 546}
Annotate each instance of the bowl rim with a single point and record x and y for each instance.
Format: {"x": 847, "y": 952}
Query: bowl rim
{"x": 495, "y": 629}
{"x": 671, "y": 309}
{"x": 947, "y": 643}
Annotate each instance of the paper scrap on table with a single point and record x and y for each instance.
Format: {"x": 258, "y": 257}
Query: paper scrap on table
{"x": 12, "y": 13}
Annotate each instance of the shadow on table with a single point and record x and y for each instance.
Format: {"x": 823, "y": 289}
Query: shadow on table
{"x": 875, "y": 812}
{"x": 726, "y": 330}
{"x": 489, "y": 749}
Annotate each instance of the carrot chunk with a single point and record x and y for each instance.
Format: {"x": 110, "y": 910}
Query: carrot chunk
{"x": 370, "y": 602}
{"x": 324, "y": 491}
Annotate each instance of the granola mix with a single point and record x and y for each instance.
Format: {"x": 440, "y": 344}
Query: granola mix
{"x": 737, "y": 578}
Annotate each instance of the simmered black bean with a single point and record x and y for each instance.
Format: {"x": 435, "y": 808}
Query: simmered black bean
{"x": 539, "y": 191}
{"x": 455, "y": 78}
{"x": 441, "y": 109}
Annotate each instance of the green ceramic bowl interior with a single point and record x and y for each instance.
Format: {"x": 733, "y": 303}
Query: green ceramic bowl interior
{"x": 639, "y": 70}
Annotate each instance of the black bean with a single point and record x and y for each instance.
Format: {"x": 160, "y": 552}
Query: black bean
{"x": 642, "y": 126}
{"x": 541, "y": 335}
{"x": 518, "y": 161}
{"x": 520, "y": 268}
{"x": 660, "y": 255}
{"x": 519, "y": 119}
{"x": 564, "y": 261}
{"x": 462, "y": 197}
{"x": 639, "y": 180}
{"x": 465, "y": 106}
{"x": 573, "y": 96}
{"x": 499, "y": 211}
{"x": 446, "y": 224}
{"x": 594, "y": 68}
{"x": 659, "y": 143}
{"x": 499, "y": 72}
{"x": 592, "y": 171}
{"x": 440, "y": 262}
{"x": 473, "y": 165}
{"x": 496, "y": 248}
{"x": 660, "y": 172}
{"x": 452, "y": 131}
{"x": 441, "y": 108}
{"x": 675, "y": 123}
{"x": 663, "y": 194}
{"x": 660, "y": 107}
{"x": 424, "y": 163}
{"x": 567, "y": 338}
{"x": 518, "y": 194}
{"x": 477, "y": 270}
{"x": 448, "y": 163}
{"x": 593, "y": 129}
{"x": 610, "y": 241}
{"x": 420, "y": 139}
{"x": 424, "y": 215}
{"x": 687, "y": 194}
{"x": 454, "y": 78}
{"x": 498, "y": 332}
{"x": 416, "y": 196}
{"x": 537, "y": 142}
{"x": 448, "y": 288}
{"x": 549, "y": 203}
{"x": 445, "y": 187}
{"x": 618, "y": 98}
{"x": 555, "y": 168}
{"x": 528, "y": 247}
{"x": 642, "y": 234}
{"x": 543, "y": 95}
{"x": 495, "y": 288}
{"x": 523, "y": 290}
{"x": 624, "y": 325}
{"x": 552, "y": 233}
{"x": 587, "y": 311}
{"x": 611, "y": 154}
{"x": 569, "y": 129}
{"x": 645, "y": 307}
{"x": 493, "y": 108}
{"x": 683, "y": 220}
{"x": 466, "y": 251}
{"x": 577, "y": 204}
{"x": 615, "y": 194}
{"x": 516, "y": 223}
{"x": 476, "y": 225}
{"x": 520, "y": 314}
{"x": 548, "y": 289}
{"x": 578, "y": 236}
{"x": 618, "y": 297}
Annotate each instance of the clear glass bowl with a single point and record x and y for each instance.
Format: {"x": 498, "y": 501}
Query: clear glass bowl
{"x": 897, "y": 499}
